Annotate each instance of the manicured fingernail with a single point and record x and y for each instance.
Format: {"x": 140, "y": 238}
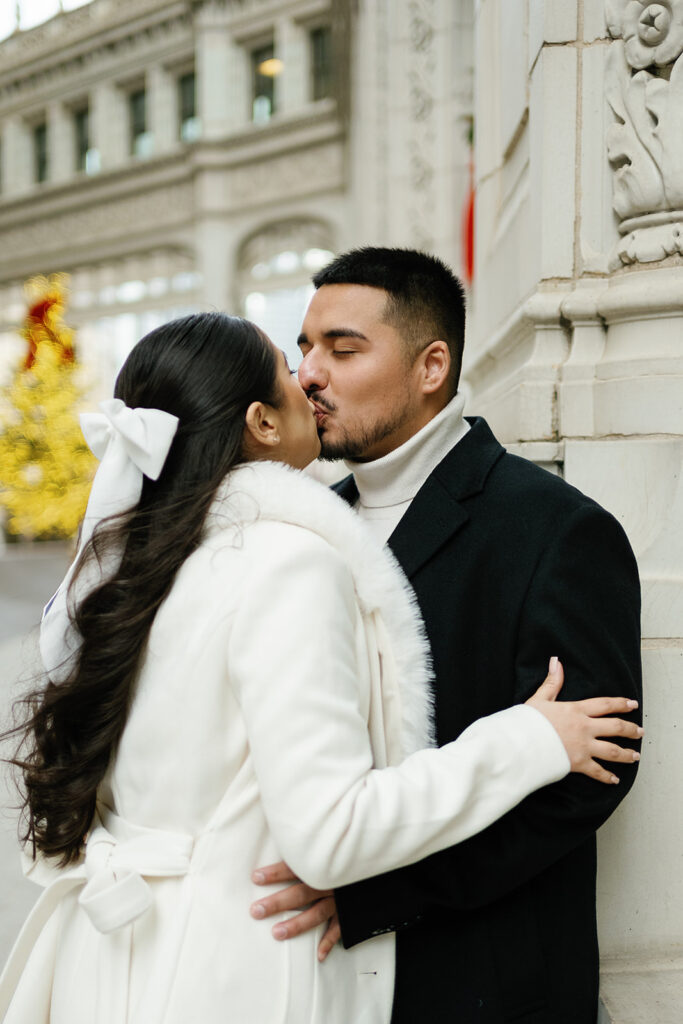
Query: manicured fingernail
{"x": 640, "y": 731}
{"x": 321, "y": 956}
{"x": 636, "y": 755}
{"x": 258, "y": 910}
{"x": 258, "y": 877}
{"x": 552, "y": 666}
{"x": 279, "y": 931}
{"x": 631, "y": 703}
{"x": 615, "y": 780}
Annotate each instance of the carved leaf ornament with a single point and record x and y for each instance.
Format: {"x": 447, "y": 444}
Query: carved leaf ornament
{"x": 644, "y": 88}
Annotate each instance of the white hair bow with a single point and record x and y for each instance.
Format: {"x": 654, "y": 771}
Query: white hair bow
{"x": 130, "y": 444}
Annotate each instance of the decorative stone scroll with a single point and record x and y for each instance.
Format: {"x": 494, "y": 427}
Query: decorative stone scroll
{"x": 644, "y": 88}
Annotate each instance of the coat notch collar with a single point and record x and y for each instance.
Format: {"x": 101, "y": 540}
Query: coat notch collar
{"x": 464, "y": 471}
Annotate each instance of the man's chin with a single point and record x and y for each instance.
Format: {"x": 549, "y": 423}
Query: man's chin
{"x": 357, "y": 446}
{"x": 331, "y": 451}
{"x": 330, "y": 455}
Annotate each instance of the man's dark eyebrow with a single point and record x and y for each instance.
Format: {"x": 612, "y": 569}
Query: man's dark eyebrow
{"x": 335, "y": 332}
{"x": 344, "y": 332}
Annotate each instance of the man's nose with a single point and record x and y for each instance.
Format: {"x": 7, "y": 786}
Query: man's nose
{"x": 312, "y": 374}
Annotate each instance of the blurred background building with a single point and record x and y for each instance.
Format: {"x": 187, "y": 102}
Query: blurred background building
{"x": 173, "y": 155}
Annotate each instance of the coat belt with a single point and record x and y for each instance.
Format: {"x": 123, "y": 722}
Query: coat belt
{"x": 119, "y": 857}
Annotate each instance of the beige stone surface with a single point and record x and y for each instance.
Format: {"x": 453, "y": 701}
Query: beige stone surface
{"x": 642, "y": 994}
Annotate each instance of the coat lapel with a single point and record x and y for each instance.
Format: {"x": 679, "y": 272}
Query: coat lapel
{"x": 436, "y": 513}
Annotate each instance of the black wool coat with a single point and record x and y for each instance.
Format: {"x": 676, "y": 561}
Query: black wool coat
{"x": 510, "y": 565}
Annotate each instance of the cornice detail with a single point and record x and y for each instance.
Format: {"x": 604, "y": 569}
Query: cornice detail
{"x": 119, "y": 218}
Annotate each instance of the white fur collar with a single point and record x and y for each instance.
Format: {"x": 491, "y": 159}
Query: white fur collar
{"x": 271, "y": 490}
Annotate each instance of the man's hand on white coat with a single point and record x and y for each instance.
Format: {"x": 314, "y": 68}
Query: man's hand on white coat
{"x": 315, "y": 907}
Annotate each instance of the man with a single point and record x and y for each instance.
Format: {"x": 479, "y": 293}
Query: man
{"x": 510, "y": 565}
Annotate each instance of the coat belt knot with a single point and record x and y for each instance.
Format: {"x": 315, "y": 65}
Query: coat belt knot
{"x": 118, "y": 856}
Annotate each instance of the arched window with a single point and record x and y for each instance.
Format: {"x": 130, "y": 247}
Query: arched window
{"x": 275, "y": 267}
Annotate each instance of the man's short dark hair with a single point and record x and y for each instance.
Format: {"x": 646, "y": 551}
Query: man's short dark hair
{"x": 426, "y": 299}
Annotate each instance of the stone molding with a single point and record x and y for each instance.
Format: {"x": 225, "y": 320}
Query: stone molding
{"x": 119, "y": 218}
{"x": 69, "y": 73}
{"x": 644, "y": 89}
{"x": 513, "y": 377}
{"x": 598, "y": 357}
{"x": 20, "y": 50}
{"x": 643, "y": 296}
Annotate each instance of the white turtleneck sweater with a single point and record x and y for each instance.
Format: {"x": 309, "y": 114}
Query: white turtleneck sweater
{"x": 388, "y": 485}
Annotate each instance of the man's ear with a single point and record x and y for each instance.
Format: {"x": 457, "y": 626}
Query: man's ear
{"x": 436, "y": 366}
{"x": 260, "y": 425}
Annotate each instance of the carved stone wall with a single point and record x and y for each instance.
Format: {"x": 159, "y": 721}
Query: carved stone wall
{"x": 411, "y": 112}
{"x": 576, "y": 358}
{"x": 285, "y": 176}
{"x": 424, "y": 126}
{"x": 644, "y": 87}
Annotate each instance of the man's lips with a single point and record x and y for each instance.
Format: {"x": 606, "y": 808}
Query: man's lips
{"x": 320, "y": 413}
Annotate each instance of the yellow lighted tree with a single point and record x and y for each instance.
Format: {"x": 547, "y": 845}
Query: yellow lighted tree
{"x": 45, "y": 465}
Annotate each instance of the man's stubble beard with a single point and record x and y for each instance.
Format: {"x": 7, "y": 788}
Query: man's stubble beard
{"x": 354, "y": 444}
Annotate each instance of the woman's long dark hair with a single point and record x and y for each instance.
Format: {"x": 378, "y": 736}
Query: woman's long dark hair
{"x": 206, "y": 369}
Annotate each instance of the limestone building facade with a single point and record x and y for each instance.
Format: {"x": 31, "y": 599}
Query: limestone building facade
{"x": 145, "y": 153}
{"x": 183, "y": 154}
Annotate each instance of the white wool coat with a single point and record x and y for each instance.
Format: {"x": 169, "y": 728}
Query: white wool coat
{"x": 285, "y": 668}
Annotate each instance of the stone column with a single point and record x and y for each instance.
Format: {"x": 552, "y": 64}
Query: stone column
{"x": 109, "y": 125}
{"x": 215, "y": 243}
{"x": 16, "y": 156}
{"x": 292, "y": 84}
{"x": 163, "y": 108}
{"x": 60, "y": 141}
{"x": 6, "y": 157}
{"x": 222, "y": 75}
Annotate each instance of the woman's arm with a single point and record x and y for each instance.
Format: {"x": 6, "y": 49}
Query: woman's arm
{"x": 294, "y": 663}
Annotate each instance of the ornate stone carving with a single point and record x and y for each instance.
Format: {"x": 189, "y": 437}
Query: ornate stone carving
{"x": 422, "y": 126}
{"x": 317, "y": 169}
{"x": 644, "y": 87}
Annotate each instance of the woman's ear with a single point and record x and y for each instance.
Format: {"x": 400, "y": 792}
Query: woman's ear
{"x": 260, "y": 426}
{"x": 436, "y": 361}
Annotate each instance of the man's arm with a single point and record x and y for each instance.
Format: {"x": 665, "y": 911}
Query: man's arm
{"x": 584, "y": 605}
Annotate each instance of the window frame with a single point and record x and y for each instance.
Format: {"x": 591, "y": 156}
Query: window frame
{"x": 258, "y": 54}
{"x": 327, "y": 75}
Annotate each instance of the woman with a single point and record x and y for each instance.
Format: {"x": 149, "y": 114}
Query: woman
{"x": 242, "y": 661}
